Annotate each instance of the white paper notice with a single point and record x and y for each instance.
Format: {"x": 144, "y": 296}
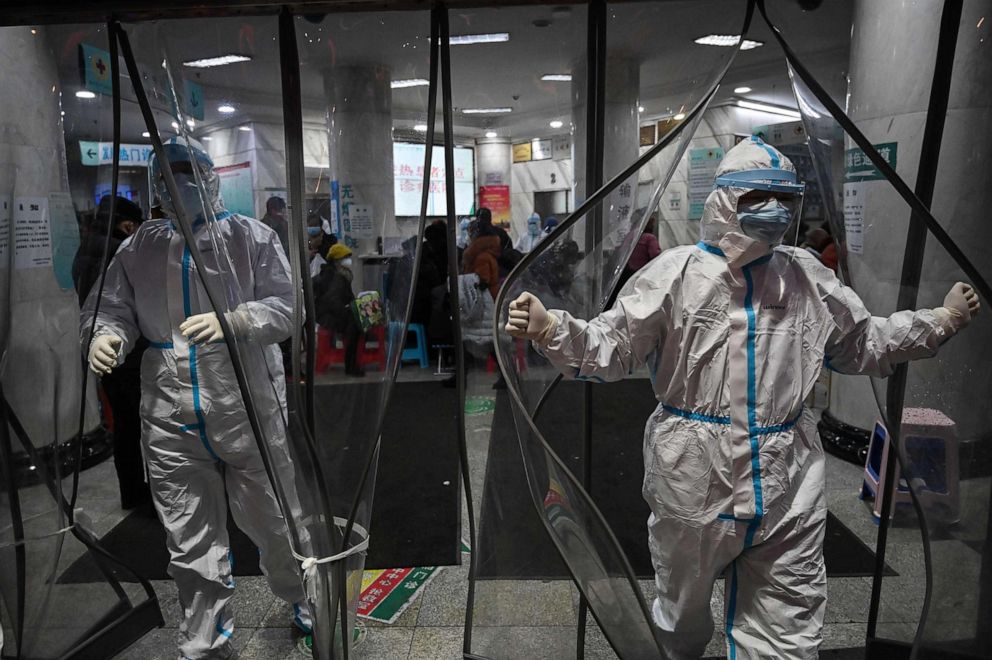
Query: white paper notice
{"x": 32, "y": 240}
{"x": 6, "y": 204}
{"x": 854, "y": 216}
{"x": 360, "y": 216}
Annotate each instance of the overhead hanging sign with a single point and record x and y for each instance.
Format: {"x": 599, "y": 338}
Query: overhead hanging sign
{"x": 194, "y": 99}
{"x": 96, "y": 69}
{"x": 702, "y": 172}
{"x": 95, "y": 154}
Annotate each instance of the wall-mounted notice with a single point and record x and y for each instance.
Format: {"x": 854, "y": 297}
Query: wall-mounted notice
{"x": 561, "y": 147}
{"x": 522, "y": 152}
{"x": 408, "y": 177}
{"x": 236, "y": 189}
{"x": 647, "y": 135}
{"x": 854, "y": 216}
{"x": 360, "y": 219}
{"x": 6, "y": 206}
{"x": 32, "y": 239}
{"x": 497, "y": 200}
{"x": 65, "y": 237}
{"x": 702, "y": 172}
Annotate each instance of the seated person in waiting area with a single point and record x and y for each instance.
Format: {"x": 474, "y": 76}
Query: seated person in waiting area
{"x": 333, "y": 298}
{"x": 735, "y": 330}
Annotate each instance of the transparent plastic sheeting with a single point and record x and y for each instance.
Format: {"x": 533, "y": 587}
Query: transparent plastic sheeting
{"x": 41, "y": 377}
{"x": 576, "y": 269}
{"x": 946, "y": 421}
{"x": 324, "y": 480}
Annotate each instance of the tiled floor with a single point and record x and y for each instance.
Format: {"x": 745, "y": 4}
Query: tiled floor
{"x": 534, "y": 618}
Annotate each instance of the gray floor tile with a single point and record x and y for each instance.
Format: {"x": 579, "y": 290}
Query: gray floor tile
{"x": 437, "y": 643}
{"x": 382, "y": 643}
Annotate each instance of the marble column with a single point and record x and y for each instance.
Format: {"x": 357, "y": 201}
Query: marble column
{"x": 360, "y": 143}
{"x": 892, "y": 57}
{"x": 41, "y": 369}
{"x": 493, "y": 159}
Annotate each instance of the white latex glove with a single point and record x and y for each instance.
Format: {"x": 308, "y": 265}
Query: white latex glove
{"x": 103, "y": 353}
{"x": 528, "y": 319}
{"x": 961, "y": 304}
{"x": 202, "y": 328}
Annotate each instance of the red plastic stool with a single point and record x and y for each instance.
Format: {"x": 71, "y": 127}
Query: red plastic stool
{"x": 373, "y": 354}
{"x": 327, "y": 351}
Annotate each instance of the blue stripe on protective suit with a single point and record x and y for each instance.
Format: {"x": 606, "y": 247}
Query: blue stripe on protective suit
{"x": 201, "y": 425}
{"x": 699, "y": 417}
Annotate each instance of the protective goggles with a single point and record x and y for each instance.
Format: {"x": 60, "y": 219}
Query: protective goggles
{"x": 770, "y": 179}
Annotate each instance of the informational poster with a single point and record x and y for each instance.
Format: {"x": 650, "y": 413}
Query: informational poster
{"x": 32, "y": 239}
{"x": 647, "y": 135}
{"x": 859, "y": 172}
{"x": 494, "y": 179}
{"x": 540, "y": 149}
{"x": 236, "y": 188}
{"x": 561, "y": 147}
{"x": 854, "y": 216}
{"x": 360, "y": 223}
{"x": 65, "y": 237}
{"x": 702, "y": 172}
{"x": 497, "y": 200}
{"x": 6, "y": 207}
{"x": 408, "y": 177}
{"x": 522, "y": 152}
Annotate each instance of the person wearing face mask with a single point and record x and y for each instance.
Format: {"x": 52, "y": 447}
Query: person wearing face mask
{"x": 734, "y": 331}
{"x": 200, "y": 452}
{"x": 333, "y": 298}
{"x": 527, "y": 241}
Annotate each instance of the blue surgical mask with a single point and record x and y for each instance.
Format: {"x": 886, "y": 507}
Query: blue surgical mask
{"x": 765, "y": 221}
{"x": 313, "y": 231}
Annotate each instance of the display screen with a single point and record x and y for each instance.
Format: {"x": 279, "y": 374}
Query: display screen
{"x": 408, "y": 169}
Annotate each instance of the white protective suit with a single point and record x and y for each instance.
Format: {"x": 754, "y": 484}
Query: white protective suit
{"x": 529, "y": 240}
{"x": 735, "y": 333}
{"x": 195, "y": 434}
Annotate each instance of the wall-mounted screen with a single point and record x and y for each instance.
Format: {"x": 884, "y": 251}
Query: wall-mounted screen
{"x": 408, "y": 169}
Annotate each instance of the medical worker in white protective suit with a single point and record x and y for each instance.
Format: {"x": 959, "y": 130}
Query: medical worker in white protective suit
{"x": 195, "y": 434}
{"x": 734, "y": 331}
{"x": 529, "y": 240}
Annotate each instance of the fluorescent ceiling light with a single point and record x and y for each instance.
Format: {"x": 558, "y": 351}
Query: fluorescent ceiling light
{"x": 557, "y": 77}
{"x": 411, "y": 82}
{"x": 466, "y": 39}
{"x": 206, "y": 138}
{"x": 85, "y": 94}
{"x": 420, "y": 128}
{"x": 246, "y": 129}
{"x": 728, "y": 40}
{"x": 741, "y": 90}
{"x": 217, "y": 61}
{"x": 556, "y": 124}
{"x": 679, "y": 117}
{"x": 146, "y": 134}
{"x": 770, "y": 109}
{"x": 485, "y": 111}
{"x": 226, "y": 109}
{"x": 491, "y": 134}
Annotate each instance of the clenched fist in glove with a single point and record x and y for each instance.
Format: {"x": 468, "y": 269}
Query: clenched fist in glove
{"x": 529, "y": 319}
{"x": 103, "y": 353}
{"x": 961, "y": 304}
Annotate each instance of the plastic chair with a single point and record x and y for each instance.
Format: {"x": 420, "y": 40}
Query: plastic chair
{"x": 372, "y": 348}
{"x": 418, "y": 351}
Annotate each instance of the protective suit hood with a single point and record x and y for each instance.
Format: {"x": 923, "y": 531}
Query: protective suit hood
{"x": 178, "y": 150}
{"x": 719, "y": 226}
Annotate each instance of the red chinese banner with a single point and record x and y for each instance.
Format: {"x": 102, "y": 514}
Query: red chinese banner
{"x": 497, "y": 200}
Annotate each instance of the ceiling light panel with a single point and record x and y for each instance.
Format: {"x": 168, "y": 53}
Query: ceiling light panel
{"x": 220, "y": 60}
{"x": 727, "y": 41}
{"x": 468, "y": 39}
{"x": 411, "y": 82}
{"x": 557, "y": 77}
{"x": 485, "y": 111}
{"x": 770, "y": 109}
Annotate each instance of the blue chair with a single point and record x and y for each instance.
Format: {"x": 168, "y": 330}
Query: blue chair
{"x": 419, "y": 350}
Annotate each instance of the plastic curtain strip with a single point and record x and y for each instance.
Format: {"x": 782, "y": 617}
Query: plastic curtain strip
{"x": 581, "y": 535}
{"x": 823, "y": 120}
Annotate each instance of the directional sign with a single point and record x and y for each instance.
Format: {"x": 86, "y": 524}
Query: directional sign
{"x": 96, "y": 69}
{"x": 194, "y": 99}
{"x": 102, "y": 153}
